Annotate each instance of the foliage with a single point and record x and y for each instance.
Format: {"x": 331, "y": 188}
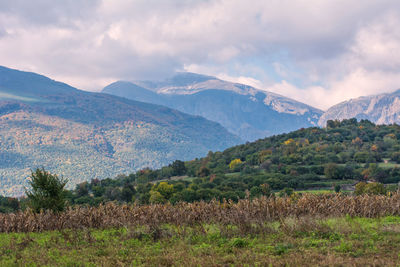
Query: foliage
{"x": 47, "y": 191}
{"x": 9, "y": 204}
{"x": 235, "y": 163}
{"x": 178, "y": 167}
{"x": 370, "y": 188}
{"x": 337, "y": 188}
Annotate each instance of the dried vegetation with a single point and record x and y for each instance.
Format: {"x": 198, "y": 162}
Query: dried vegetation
{"x": 245, "y": 213}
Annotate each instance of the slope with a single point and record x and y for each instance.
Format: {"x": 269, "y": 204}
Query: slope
{"x": 307, "y": 159}
{"x": 84, "y": 135}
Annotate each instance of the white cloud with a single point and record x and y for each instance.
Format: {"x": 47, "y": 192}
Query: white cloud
{"x": 319, "y": 52}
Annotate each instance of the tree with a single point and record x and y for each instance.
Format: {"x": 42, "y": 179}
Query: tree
{"x": 256, "y": 191}
{"x": 127, "y": 193}
{"x": 337, "y": 188}
{"x": 235, "y": 164}
{"x": 203, "y": 171}
{"x": 156, "y": 197}
{"x": 331, "y": 171}
{"x": 165, "y": 189}
{"x": 47, "y": 191}
{"x": 82, "y": 189}
{"x": 286, "y": 192}
{"x": 370, "y": 188}
{"x": 178, "y": 168}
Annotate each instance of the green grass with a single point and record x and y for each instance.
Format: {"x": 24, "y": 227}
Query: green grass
{"x": 317, "y": 191}
{"x": 233, "y": 174}
{"x": 388, "y": 165}
{"x": 292, "y": 242}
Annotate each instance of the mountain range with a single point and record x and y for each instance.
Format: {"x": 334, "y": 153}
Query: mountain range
{"x": 244, "y": 110}
{"x": 132, "y": 125}
{"x": 83, "y": 135}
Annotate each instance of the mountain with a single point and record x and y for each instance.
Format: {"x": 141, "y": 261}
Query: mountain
{"x": 83, "y": 135}
{"x": 381, "y": 109}
{"x": 243, "y": 110}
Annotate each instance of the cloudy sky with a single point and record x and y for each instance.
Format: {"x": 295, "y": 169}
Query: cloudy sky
{"x": 320, "y": 52}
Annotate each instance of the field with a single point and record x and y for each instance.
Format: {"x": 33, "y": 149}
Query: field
{"x": 311, "y": 229}
{"x": 293, "y": 242}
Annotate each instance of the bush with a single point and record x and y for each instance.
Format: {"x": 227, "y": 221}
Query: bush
{"x": 370, "y": 189}
{"x": 286, "y": 192}
{"x": 337, "y": 188}
{"x": 48, "y": 191}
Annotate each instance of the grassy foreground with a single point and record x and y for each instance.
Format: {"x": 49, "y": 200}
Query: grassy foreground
{"x": 303, "y": 241}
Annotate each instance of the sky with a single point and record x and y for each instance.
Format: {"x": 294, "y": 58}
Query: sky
{"x": 319, "y": 52}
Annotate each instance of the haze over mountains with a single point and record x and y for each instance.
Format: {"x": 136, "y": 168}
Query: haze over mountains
{"x": 84, "y": 135}
{"x": 243, "y": 110}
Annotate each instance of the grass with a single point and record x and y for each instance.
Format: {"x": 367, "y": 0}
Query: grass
{"x": 317, "y": 191}
{"x": 290, "y": 241}
{"x": 388, "y": 165}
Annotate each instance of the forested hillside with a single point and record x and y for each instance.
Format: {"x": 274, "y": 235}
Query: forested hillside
{"x": 342, "y": 153}
{"x": 83, "y": 135}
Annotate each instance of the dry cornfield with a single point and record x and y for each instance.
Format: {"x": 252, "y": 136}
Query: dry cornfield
{"x": 243, "y": 213}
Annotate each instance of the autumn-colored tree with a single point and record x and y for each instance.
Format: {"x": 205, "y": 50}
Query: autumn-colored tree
{"x": 235, "y": 163}
{"x": 357, "y": 141}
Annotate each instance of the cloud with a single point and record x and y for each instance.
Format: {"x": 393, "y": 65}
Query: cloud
{"x": 319, "y": 52}
{"x": 48, "y": 12}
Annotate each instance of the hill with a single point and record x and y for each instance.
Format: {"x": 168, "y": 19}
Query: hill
{"x": 243, "y": 110}
{"x": 84, "y": 135}
{"x": 310, "y": 158}
{"x": 380, "y": 109}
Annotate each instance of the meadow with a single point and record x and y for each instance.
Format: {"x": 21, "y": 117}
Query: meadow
{"x": 308, "y": 229}
{"x": 304, "y": 241}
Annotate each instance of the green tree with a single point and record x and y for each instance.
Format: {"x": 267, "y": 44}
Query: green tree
{"x": 337, "y": 188}
{"x": 165, "y": 189}
{"x": 331, "y": 171}
{"x": 47, "y": 191}
{"x": 286, "y": 192}
{"x": 256, "y": 191}
{"x": 370, "y": 188}
{"x": 156, "y": 197}
{"x": 178, "y": 168}
{"x": 127, "y": 193}
{"x": 203, "y": 171}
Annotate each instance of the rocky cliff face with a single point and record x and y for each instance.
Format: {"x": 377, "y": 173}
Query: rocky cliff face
{"x": 381, "y": 109}
{"x": 243, "y": 110}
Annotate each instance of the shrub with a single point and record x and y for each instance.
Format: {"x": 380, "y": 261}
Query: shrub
{"x": 337, "y": 188}
{"x": 370, "y": 189}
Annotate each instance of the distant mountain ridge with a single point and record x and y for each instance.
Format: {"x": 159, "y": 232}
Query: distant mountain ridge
{"x": 380, "y": 109}
{"x": 84, "y": 135}
{"x": 245, "y": 111}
